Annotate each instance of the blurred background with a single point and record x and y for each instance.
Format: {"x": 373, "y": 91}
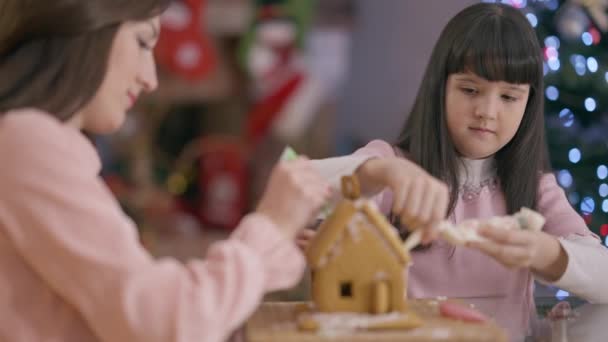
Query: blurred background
{"x": 242, "y": 79}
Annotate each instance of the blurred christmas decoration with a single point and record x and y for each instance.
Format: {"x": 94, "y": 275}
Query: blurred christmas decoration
{"x": 294, "y": 66}
{"x": 326, "y": 57}
{"x": 211, "y": 179}
{"x": 176, "y": 156}
{"x": 597, "y": 10}
{"x": 271, "y": 52}
{"x": 206, "y": 173}
{"x": 183, "y": 47}
{"x": 571, "y": 21}
{"x": 574, "y": 38}
{"x": 296, "y": 56}
{"x": 228, "y": 17}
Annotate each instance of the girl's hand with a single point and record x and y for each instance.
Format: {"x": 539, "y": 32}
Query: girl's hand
{"x": 294, "y": 195}
{"x": 560, "y": 311}
{"x": 304, "y": 237}
{"x": 419, "y": 199}
{"x": 515, "y": 248}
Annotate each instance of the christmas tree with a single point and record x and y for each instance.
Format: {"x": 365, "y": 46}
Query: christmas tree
{"x": 573, "y": 36}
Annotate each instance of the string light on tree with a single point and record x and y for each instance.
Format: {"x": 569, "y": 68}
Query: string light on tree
{"x": 579, "y": 63}
{"x": 602, "y": 172}
{"x": 532, "y": 19}
{"x": 552, "y": 41}
{"x": 592, "y": 64}
{"x": 551, "y": 53}
{"x": 587, "y": 38}
{"x": 566, "y": 117}
{"x": 552, "y": 4}
{"x": 603, "y": 190}
{"x": 590, "y": 104}
{"x": 564, "y": 178}
{"x": 516, "y": 3}
{"x": 574, "y": 155}
{"x": 552, "y": 93}
{"x": 587, "y": 205}
{"x": 553, "y": 64}
{"x": 561, "y": 294}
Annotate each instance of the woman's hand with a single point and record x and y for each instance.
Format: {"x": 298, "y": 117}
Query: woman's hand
{"x": 294, "y": 195}
{"x": 304, "y": 237}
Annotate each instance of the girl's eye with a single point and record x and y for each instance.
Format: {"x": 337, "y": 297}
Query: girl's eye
{"x": 509, "y": 98}
{"x": 469, "y": 91}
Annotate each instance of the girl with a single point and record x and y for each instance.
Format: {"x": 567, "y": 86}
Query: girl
{"x": 72, "y": 268}
{"x": 473, "y": 147}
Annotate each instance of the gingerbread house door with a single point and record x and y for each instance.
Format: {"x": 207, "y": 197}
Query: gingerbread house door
{"x": 381, "y": 297}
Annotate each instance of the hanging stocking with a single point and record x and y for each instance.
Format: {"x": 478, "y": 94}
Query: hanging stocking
{"x": 183, "y": 46}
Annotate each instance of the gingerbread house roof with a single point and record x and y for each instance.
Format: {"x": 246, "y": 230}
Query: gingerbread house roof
{"x": 335, "y": 225}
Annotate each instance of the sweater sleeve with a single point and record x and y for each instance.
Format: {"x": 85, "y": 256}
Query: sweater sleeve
{"x": 585, "y": 274}
{"x": 333, "y": 169}
{"x": 69, "y": 229}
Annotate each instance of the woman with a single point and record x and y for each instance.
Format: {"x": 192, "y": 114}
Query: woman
{"x": 71, "y": 264}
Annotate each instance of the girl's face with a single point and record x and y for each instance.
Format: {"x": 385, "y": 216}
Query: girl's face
{"x": 131, "y": 71}
{"x": 483, "y": 116}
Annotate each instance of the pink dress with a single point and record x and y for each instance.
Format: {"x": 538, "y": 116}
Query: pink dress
{"x": 506, "y": 295}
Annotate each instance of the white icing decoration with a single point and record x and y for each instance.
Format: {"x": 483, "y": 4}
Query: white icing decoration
{"x": 354, "y": 227}
{"x": 440, "y": 333}
{"x": 323, "y": 261}
{"x": 381, "y": 275}
{"x": 345, "y": 322}
{"x": 334, "y": 251}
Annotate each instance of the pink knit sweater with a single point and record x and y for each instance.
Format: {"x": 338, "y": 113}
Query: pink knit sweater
{"x": 72, "y": 268}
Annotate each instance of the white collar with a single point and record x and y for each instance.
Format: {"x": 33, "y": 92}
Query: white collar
{"x": 473, "y": 172}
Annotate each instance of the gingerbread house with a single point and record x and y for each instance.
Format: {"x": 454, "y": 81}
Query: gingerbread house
{"x": 357, "y": 260}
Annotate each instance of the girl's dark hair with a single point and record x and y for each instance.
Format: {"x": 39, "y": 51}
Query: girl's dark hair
{"x": 54, "y": 54}
{"x": 497, "y": 43}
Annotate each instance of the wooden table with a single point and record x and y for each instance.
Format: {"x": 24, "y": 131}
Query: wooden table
{"x": 275, "y": 322}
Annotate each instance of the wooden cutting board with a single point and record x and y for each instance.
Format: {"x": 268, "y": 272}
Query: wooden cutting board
{"x": 276, "y": 322}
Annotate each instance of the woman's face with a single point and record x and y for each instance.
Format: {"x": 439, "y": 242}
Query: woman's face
{"x": 131, "y": 71}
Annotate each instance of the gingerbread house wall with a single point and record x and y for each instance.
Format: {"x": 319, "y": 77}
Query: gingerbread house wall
{"x": 361, "y": 256}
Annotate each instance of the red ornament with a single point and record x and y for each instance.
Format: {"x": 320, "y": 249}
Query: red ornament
{"x": 596, "y": 35}
{"x": 604, "y": 229}
{"x": 588, "y": 218}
